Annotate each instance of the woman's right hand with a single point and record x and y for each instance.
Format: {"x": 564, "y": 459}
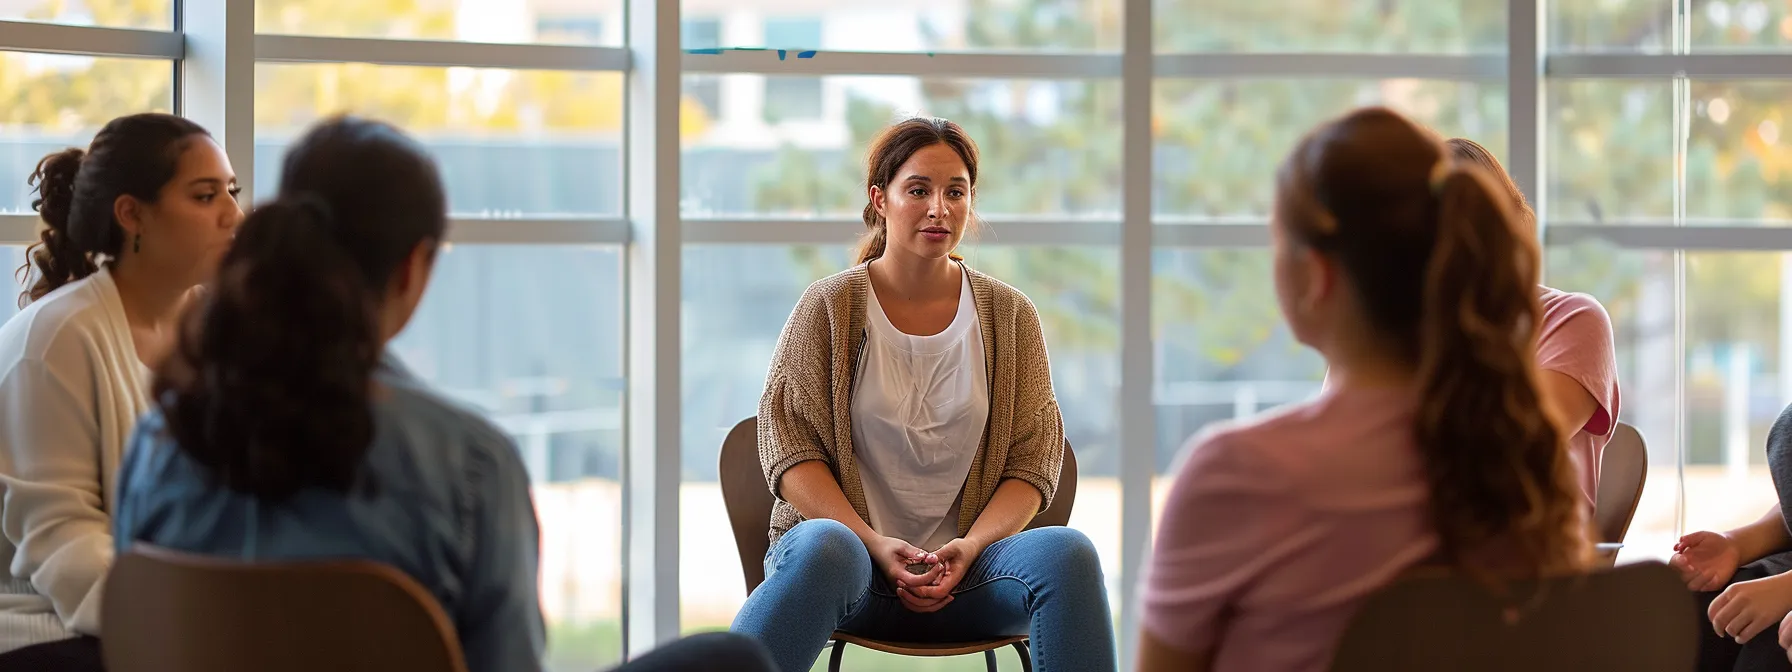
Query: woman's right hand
{"x": 1706, "y": 560}
{"x": 892, "y": 556}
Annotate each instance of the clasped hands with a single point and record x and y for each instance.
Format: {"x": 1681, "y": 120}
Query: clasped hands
{"x": 929, "y": 591}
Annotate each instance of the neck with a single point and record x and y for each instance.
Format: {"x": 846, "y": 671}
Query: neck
{"x": 150, "y": 299}
{"x": 913, "y": 276}
{"x": 1366, "y": 363}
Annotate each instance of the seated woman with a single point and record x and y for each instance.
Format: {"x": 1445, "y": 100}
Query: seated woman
{"x": 1741, "y": 576}
{"x": 1405, "y": 269}
{"x": 909, "y": 432}
{"x": 1574, "y": 346}
{"x": 284, "y": 430}
{"x": 131, "y": 225}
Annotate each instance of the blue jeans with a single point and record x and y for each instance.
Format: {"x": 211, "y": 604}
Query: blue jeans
{"x": 1044, "y": 583}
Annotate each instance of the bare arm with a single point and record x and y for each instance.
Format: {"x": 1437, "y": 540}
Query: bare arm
{"x": 813, "y": 490}
{"x": 1156, "y": 656}
{"x": 1571, "y": 401}
{"x": 1008, "y": 512}
{"x": 1761, "y": 538}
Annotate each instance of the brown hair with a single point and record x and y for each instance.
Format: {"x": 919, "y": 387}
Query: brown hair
{"x": 1441, "y": 269}
{"x": 133, "y": 155}
{"x": 1470, "y": 151}
{"x": 892, "y": 148}
{"x": 268, "y": 388}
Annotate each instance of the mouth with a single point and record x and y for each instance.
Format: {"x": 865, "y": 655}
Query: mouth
{"x": 935, "y": 232}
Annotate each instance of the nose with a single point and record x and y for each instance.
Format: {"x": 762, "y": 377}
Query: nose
{"x": 937, "y": 207}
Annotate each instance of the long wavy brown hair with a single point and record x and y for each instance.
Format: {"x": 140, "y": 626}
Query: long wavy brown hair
{"x": 1446, "y": 276}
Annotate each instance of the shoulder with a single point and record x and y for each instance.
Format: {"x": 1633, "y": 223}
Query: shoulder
{"x": 1232, "y": 448}
{"x": 57, "y": 328}
{"x": 1003, "y": 296}
{"x": 1559, "y": 307}
{"x": 415, "y": 409}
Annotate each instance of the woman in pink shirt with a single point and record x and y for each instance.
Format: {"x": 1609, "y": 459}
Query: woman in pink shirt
{"x": 1574, "y": 347}
{"x": 1406, "y": 270}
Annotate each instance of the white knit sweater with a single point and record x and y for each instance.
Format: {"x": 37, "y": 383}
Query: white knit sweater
{"x": 71, "y": 389}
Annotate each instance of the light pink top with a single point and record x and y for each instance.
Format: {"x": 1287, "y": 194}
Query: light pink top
{"x": 1576, "y": 341}
{"x": 1275, "y": 530}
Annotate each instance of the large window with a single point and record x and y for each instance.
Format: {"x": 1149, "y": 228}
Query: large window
{"x": 1048, "y": 146}
{"x": 59, "y": 101}
{"x": 1662, "y": 183}
{"x": 581, "y": 22}
{"x": 150, "y": 14}
{"x": 510, "y": 142}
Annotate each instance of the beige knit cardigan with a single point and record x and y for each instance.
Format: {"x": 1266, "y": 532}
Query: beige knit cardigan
{"x": 806, "y": 412}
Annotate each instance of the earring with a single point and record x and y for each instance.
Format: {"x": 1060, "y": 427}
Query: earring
{"x": 137, "y": 243}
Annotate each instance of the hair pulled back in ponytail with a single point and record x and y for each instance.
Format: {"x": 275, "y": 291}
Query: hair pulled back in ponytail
{"x": 271, "y": 383}
{"x": 1445, "y": 275}
{"x": 76, "y": 190}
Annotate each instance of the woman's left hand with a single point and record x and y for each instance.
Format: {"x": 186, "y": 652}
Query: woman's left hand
{"x": 956, "y": 557}
{"x": 1746, "y": 609}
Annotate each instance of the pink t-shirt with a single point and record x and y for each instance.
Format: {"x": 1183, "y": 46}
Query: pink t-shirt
{"x": 1576, "y": 341}
{"x": 1276, "y": 529}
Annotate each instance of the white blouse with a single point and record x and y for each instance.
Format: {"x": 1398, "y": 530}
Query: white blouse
{"x": 919, "y": 407}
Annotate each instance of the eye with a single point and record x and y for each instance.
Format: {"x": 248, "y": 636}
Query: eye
{"x": 958, "y": 193}
{"x": 917, "y": 192}
{"x": 207, "y": 198}
{"x": 235, "y": 191}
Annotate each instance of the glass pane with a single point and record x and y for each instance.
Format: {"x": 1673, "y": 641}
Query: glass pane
{"x": 919, "y": 26}
{"x": 147, "y": 14}
{"x": 1223, "y": 349}
{"x": 1741, "y": 25}
{"x": 1611, "y": 25}
{"x": 577, "y": 22}
{"x": 1737, "y": 377}
{"x": 795, "y": 146}
{"x": 532, "y": 337}
{"x": 1218, "y": 142}
{"x": 736, "y": 298}
{"x": 1411, "y": 26}
{"x": 61, "y": 101}
{"x": 1736, "y": 160}
{"x": 1610, "y": 152}
{"x": 510, "y": 142}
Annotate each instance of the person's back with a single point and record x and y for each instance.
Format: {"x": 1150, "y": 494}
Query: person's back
{"x": 1430, "y": 444}
{"x": 442, "y": 496}
{"x": 1329, "y": 496}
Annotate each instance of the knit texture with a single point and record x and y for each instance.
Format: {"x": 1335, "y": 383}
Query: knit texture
{"x": 806, "y": 412}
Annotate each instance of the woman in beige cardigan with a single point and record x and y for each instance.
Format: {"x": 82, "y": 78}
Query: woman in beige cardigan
{"x": 909, "y": 432}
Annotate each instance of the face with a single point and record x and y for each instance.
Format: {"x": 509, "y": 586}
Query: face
{"x": 927, "y": 205}
{"x": 186, "y": 231}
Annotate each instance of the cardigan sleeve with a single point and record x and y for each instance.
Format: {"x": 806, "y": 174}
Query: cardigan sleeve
{"x": 792, "y": 412}
{"x": 50, "y": 473}
{"x": 1037, "y": 449}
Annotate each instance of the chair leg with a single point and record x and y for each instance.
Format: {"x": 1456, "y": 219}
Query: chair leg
{"x": 834, "y": 660}
{"x": 1026, "y": 656}
{"x": 989, "y": 661}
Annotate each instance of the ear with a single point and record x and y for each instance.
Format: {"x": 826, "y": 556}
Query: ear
{"x": 878, "y": 201}
{"x": 413, "y": 273}
{"x": 128, "y": 212}
{"x": 1322, "y": 278}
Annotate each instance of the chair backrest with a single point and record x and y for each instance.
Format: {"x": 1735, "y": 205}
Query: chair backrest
{"x": 749, "y": 500}
{"x": 168, "y": 611}
{"x": 1622, "y": 470}
{"x": 1638, "y": 618}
